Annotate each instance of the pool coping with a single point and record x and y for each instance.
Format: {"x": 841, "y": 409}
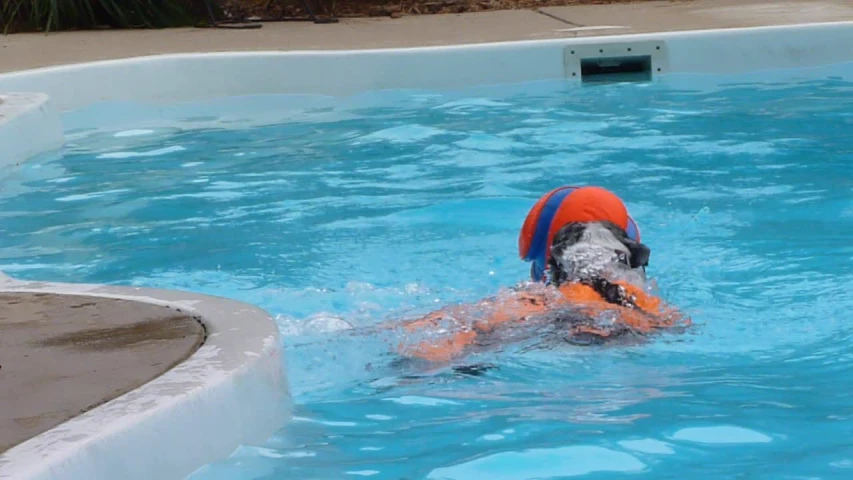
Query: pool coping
{"x": 63, "y": 355}
{"x": 235, "y": 377}
{"x": 23, "y": 51}
{"x": 206, "y": 76}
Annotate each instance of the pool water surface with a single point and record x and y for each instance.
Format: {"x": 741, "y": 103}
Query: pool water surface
{"x": 386, "y": 205}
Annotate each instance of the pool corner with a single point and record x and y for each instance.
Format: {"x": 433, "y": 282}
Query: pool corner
{"x": 231, "y": 391}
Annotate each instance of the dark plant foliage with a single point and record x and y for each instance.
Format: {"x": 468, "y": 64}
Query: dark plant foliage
{"x": 51, "y": 15}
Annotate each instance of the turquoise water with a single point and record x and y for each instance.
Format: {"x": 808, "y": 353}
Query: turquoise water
{"x": 389, "y": 204}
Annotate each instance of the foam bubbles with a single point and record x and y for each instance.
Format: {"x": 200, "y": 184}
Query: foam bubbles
{"x": 324, "y": 323}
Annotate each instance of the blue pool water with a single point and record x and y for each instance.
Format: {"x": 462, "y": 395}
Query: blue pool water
{"x": 387, "y": 205}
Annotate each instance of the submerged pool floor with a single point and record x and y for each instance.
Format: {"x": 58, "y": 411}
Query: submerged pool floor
{"x": 386, "y": 205}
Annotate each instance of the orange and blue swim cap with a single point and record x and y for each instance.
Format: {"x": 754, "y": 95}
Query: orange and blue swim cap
{"x": 565, "y": 205}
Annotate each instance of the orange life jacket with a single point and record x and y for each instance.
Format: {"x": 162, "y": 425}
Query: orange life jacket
{"x": 640, "y": 312}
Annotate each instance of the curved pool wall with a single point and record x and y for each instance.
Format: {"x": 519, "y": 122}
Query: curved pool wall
{"x": 29, "y": 116}
{"x": 167, "y": 79}
{"x": 233, "y": 389}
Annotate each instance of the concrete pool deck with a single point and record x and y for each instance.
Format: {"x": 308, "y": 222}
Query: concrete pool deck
{"x": 62, "y": 355}
{"x": 26, "y": 51}
{"x": 128, "y": 382}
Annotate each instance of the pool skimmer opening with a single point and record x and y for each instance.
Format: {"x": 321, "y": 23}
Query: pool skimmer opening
{"x": 616, "y": 68}
{"x": 615, "y": 62}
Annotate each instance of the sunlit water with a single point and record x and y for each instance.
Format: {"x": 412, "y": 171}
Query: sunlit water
{"x": 383, "y": 206}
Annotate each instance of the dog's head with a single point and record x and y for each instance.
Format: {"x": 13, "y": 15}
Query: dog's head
{"x": 587, "y": 251}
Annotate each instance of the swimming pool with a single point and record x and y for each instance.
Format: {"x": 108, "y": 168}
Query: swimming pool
{"x": 388, "y": 204}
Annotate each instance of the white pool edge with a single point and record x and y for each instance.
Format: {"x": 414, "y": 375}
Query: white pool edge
{"x": 232, "y": 391}
{"x": 169, "y": 78}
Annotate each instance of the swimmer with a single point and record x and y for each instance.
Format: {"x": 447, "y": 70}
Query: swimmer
{"x": 588, "y": 283}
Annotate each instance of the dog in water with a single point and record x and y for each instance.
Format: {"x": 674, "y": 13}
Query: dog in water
{"x": 591, "y": 290}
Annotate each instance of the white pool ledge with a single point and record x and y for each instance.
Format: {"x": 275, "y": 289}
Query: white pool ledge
{"x": 232, "y": 391}
{"x": 191, "y": 77}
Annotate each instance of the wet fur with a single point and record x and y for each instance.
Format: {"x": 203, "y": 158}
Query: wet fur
{"x": 552, "y": 326}
{"x": 551, "y": 329}
{"x": 603, "y": 236}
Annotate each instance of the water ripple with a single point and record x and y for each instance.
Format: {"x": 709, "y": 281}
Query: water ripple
{"x": 348, "y": 212}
